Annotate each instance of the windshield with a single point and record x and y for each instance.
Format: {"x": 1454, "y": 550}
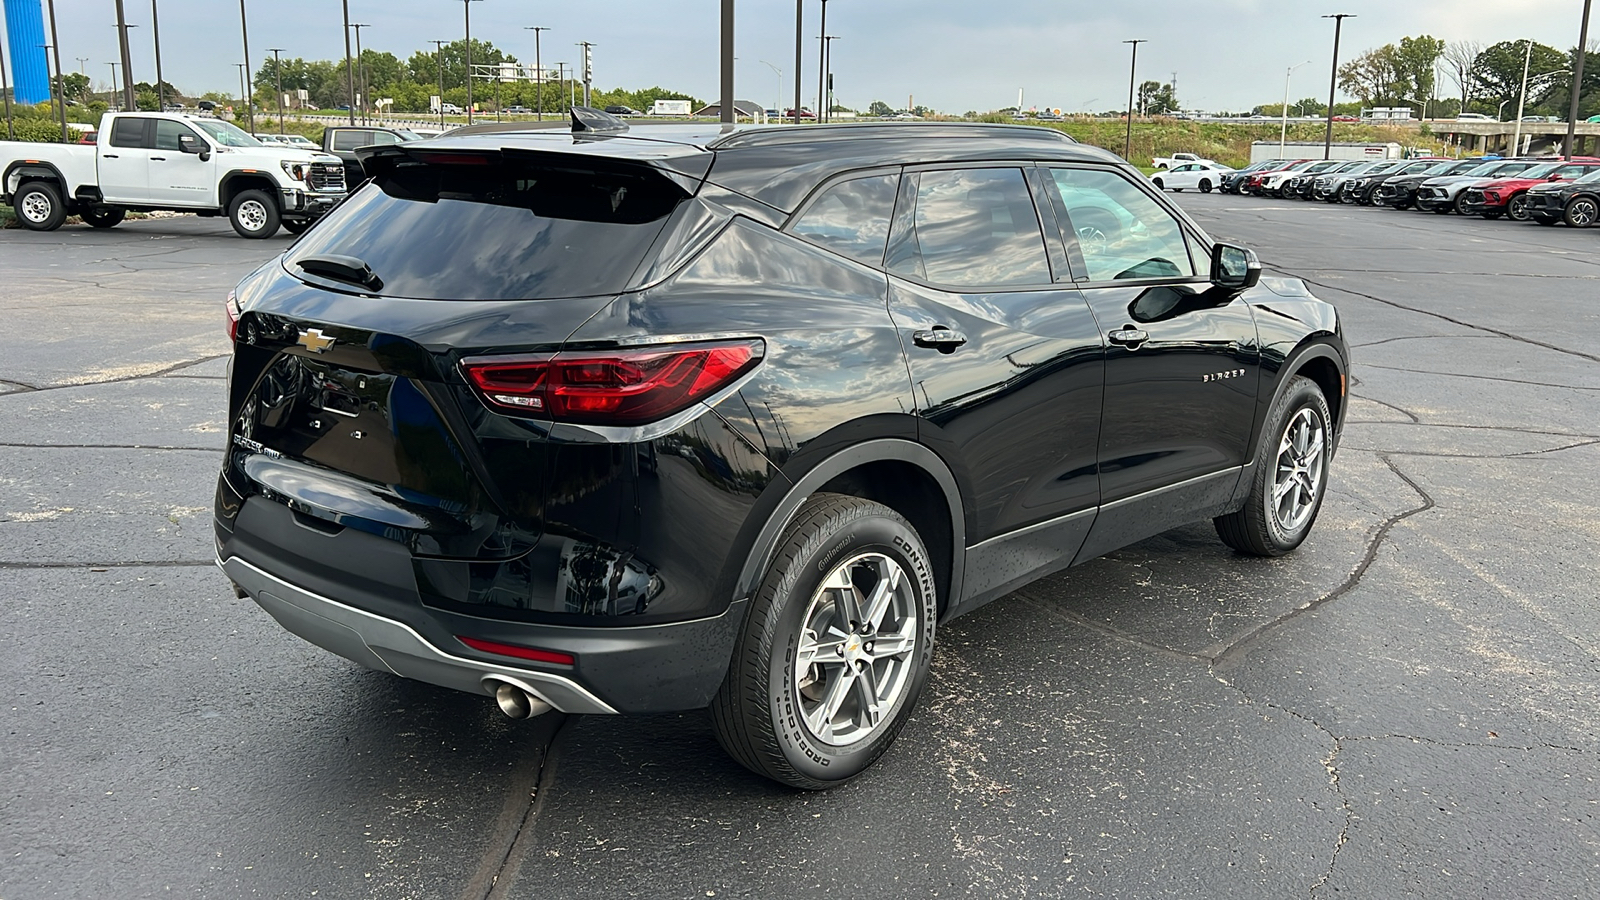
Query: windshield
{"x": 407, "y": 135}
{"x": 225, "y": 134}
{"x": 1486, "y": 169}
{"x": 1538, "y": 171}
{"x": 1592, "y": 176}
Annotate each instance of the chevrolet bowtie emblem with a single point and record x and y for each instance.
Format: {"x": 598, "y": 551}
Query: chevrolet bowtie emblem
{"x": 314, "y": 340}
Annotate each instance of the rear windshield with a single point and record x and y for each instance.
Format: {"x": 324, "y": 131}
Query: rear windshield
{"x": 498, "y": 230}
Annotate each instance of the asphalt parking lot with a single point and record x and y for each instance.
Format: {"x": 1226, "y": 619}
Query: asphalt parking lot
{"x": 1408, "y": 706}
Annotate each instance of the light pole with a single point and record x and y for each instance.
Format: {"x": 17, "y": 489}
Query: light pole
{"x": 58, "y": 89}
{"x": 1133, "y": 66}
{"x": 822, "y": 59}
{"x": 1333, "y": 80}
{"x": 438, "y": 59}
{"x": 61, "y": 85}
{"x": 827, "y": 76}
{"x": 1516, "y": 141}
{"x": 728, "y": 112}
{"x": 349, "y": 67}
{"x": 466, "y": 6}
{"x": 113, "y": 92}
{"x": 363, "y": 100}
{"x": 1577, "y": 84}
{"x": 538, "y": 65}
{"x": 127, "y": 62}
{"x": 277, "y": 74}
{"x": 799, "y": 46}
{"x": 1283, "y": 132}
{"x": 777, "y": 101}
{"x": 588, "y": 68}
{"x": 244, "y": 34}
{"x": 161, "y": 86}
{"x": 241, "y": 67}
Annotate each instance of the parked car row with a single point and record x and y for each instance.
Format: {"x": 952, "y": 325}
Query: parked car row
{"x": 1545, "y": 190}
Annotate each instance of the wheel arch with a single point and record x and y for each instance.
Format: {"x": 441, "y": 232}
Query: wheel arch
{"x": 26, "y": 171}
{"x": 903, "y": 475}
{"x": 1319, "y": 359}
{"x": 238, "y": 181}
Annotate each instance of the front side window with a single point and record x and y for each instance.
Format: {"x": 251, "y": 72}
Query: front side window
{"x": 169, "y": 134}
{"x": 852, "y": 218}
{"x": 975, "y": 227}
{"x": 1122, "y": 233}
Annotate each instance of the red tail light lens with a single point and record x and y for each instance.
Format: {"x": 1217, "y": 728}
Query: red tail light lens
{"x": 544, "y": 656}
{"x": 630, "y": 386}
{"x": 232, "y": 306}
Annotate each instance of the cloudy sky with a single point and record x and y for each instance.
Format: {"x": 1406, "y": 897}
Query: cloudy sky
{"x": 949, "y": 55}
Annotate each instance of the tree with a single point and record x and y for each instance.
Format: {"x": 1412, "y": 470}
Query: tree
{"x": 1459, "y": 58}
{"x": 1497, "y": 73}
{"x": 1415, "y": 62}
{"x": 880, "y": 109}
{"x": 1394, "y": 73}
{"x": 73, "y": 85}
{"x": 1157, "y": 99}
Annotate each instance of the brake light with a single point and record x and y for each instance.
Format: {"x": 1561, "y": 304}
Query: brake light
{"x": 232, "y": 306}
{"x": 628, "y": 386}
{"x": 544, "y": 656}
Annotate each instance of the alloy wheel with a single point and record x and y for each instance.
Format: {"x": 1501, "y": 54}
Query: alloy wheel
{"x": 1301, "y": 459}
{"x": 855, "y": 653}
{"x": 1517, "y": 209}
{"x": 1582, "y": 213}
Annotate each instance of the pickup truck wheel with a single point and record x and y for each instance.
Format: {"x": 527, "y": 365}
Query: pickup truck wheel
{"x": 835, "y": 648}
{"x": 104, "y": 216}
{"x": 296, "y": 226}
{"x": 1291, "y": 476}
{"x": 254, "y": 214}
{"x": 39, "y": 207}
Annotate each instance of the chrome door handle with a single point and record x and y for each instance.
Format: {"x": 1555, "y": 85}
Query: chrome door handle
{"x": 1128, "y": 337}
{"x": 939, "y": 338}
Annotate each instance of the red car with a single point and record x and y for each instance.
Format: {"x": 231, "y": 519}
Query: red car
{"x": 1346, "y": 119}
{"x": 804, "y": 113}
{"x": 1508, "y": 196}
{"x": 1253, "y": 183}
{"x": 89, "y": 137}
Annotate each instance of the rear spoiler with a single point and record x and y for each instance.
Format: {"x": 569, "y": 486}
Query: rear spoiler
{"x": 377, "y": 161}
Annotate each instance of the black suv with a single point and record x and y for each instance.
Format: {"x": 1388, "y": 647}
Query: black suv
{"x": 616, "y": 421}
{"x": 1575, "y": 202}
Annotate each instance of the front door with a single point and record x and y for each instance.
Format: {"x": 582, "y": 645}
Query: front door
{"x": 1006, "y": 364}
{"x": 1182, "y": 360}
{"x": 178, "y": 178}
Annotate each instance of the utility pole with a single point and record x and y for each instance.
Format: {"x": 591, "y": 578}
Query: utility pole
{"x": 561, "y": 78}
{"x": 728, "y": 112}
{"x": 466, "y": 6}
{"x": 249, "y": 104}
{"x": 241, "y": 67}
{"x": 1577, "y": 84}
{"x": 363, "y": 100}
{"x": 827, "y": 68}
{"x": 1283, "y": 133}
{"x": 588, "y": 68}
{"x": 161, "y": 85}
{"x": 438, "y": 58}
{"x": 277, "y": 74}
{"x": 799, "y": 46}
{"x": 61, "y": 84}
{"x": 822, "y": 60}
{"x": 538, "y": 65}
{"x": 1133, "y": 67}
{"x": 1333, "y": 80}
{"x": 349, "y": 67}
{"x": 113, "y": 92}
{"x": 127, "y": 62}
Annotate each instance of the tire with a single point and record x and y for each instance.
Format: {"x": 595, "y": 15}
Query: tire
{"x": 296, "y": 226}
{"x": 771, "y": 716}
{"x": 1205, "y": 185}
{"x": 1296, "y": 437}
{"x": 38, "y": 206}
{"x": 1160, "y": 185}
{"x": 254, "y": 214}
{"x": 1582, "y": 212}
{"x": 1461, "y": 203}
{"x": 1517, "y": 208}
{"x": 104, "y": 216}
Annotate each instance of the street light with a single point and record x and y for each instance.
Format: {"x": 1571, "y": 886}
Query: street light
{"x": 826, "y": 101}
{"x": 350, "y": 68}
{"x": 113, "y": 92}
{"x": 466, "y": 7}
{"x": 277, "y": 74}
{"x": 249, "y": 104}
{"x": 777, "y": 102}
{"x": 127, "y": 61}
{"x": 438, "y": 59}
{"x": 161, "y": 87}
{"x": 1133, "y": 65}
{"x": 1283, "y": 132}
{"x": 241, "y": 67}
{"x": 799, "y": 45}
{"x": 1333, "y": 80}
{"x": 822, "y": 61}
{"x": 61, "y": 84}
{"x": 1577, "y": 84}
{"x": 727, "y": 108}
{"x": 361, "y": 71}
{"x": 538, "y": 65}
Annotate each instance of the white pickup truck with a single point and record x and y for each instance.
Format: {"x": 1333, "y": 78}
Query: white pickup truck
{"x": 150, "y": 161}
{"x": 1178, "y": 159}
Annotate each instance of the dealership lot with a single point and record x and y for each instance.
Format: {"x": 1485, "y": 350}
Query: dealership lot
{"x": 1407, "y": 705}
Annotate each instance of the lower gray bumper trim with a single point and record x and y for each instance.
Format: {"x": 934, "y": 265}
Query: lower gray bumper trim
{"x": 390, "y": 646}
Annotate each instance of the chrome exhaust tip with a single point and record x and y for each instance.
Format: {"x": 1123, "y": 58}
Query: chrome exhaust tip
{"x": 517, "y": 703}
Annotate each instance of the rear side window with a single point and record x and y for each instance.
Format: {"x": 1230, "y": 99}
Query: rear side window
{"x": 127, "y": 132}
{"x": 974, "y": 227}
{"x": 349, "y": 139}
{"x": 498, "y": 231}
{"x": 852, "y": 218}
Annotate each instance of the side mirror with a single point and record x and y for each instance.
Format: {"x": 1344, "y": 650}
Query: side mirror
{"x": 188, "y": 143}
{"x": 1234, "y": 268}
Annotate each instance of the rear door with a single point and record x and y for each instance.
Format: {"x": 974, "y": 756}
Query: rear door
{"x": 124, "y": 160}
{"x": 1006, "y": 362}
{"x": 1182, "y": 360}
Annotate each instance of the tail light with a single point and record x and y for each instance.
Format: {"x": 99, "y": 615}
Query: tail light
{"x": 512, "y": 650}
{"x": 627, "y": 386}
{"x": 232, "y": 306}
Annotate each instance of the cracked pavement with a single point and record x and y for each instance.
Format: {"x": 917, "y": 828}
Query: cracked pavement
{"x": 1406, "y": 706}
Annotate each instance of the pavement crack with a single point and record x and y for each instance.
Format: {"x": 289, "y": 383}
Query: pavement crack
{"x": 514, "y": 830}
{"x": 22, "y": 387}
{"x": 1107, "y": 630}
{"x": 1464, "y": 324}
{"x": 1465, "y": 745}
{"x": 1415, "y": 419}
{"x": 167, "y": 370}
{"x": 1568, "y": 387}
{"x": 1234, "y": 654}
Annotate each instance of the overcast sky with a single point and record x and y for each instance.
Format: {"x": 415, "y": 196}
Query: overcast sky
{"x": 953, "y": 56}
